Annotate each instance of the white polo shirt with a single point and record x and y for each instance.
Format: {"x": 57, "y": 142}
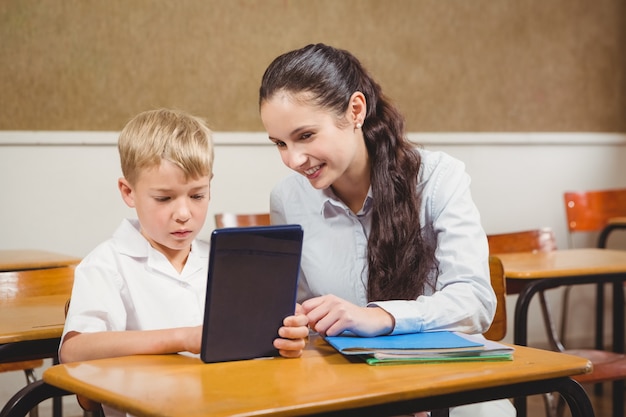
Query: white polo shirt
{"x": 125, "y": 284}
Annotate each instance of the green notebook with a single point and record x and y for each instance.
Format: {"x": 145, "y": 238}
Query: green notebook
{"x": 423, "y": 347}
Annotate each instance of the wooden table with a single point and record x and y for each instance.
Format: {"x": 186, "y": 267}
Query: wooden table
{"x": 32, "y": 306}
{"x": 23, "y": 259}
{"x": 34, "y": 287}
{"x": 546, "y": 270}
{"x": 322, "y": 382}
{"x": 31, "y": 329}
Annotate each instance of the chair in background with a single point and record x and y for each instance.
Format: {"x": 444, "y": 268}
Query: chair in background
{"x": 538, "y": 240}
{"x": 241, "y": 220}
{"x": 28, "y": 367}
{"x": 497, "y": 330}
{"x": 596, "y": 211}
{"x": 607, "y": 365}
{"x": 601, "y": 211}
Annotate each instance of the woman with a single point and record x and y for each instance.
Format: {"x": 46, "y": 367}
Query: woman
{"x": 393, "y": 241}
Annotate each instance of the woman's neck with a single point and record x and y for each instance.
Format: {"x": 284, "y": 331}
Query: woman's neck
{"x": 353, "y": 186}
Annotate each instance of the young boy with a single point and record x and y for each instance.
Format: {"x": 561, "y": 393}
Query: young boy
{"x": 143, "y": 290}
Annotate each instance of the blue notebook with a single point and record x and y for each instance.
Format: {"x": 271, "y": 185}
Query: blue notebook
{"x": 441, "y": 346}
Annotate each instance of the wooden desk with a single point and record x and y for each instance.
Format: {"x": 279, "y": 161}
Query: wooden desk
{"x": 34, "y": 286}
{"x": 32, "y": 306}
{"x": 23, "y": 259}
{"x": 35, "y": 318}
{"x": 322, "y": 382}
{"x": 545, "y": 270}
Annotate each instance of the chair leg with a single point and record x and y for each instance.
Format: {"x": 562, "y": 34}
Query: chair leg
{"x": 564, "y": 313}
{"x": 553, "y": 337}
{"x": 618, "y": 398}
{"x": 549, "y": 405}
{"x": 30, "y": 378}
{"x": 560, "y": 407}
{"x": 598, "y": 388}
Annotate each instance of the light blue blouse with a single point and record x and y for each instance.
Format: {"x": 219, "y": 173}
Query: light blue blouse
{"x": 334, "y": 259}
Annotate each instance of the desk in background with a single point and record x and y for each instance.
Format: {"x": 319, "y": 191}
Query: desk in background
{"x": 32, "y": 303}
{"x": 34, "y": 287}
{"x": 25, "y": 259}
{"x": 322, "y": 382}
{"x": 546, "y": 270}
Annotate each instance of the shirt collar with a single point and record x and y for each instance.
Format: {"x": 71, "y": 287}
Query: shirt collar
{"x": 330, "y": 203}
{"x": 132, "y": 243}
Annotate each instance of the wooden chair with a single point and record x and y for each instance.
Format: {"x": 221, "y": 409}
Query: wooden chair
{"x": 20, "y": 285}
{"x": 607, "y": 365}
{"x": 241, "y": 220}
{"x": 597, "y": 211}
{"x": 497, "y": 330}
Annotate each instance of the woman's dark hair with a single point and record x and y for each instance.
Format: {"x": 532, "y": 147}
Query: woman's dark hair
{"x": 400, "y": 257}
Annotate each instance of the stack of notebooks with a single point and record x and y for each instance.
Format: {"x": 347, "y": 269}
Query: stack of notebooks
{"x": 426, "y": 347}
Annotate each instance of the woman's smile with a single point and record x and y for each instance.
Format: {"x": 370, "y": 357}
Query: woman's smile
{"x": 312, "y": 173}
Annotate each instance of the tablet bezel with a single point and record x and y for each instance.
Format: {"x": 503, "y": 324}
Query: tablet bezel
{"x": 246, "y": 303}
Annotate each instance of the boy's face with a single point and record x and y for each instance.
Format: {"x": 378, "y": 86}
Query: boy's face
{"x": 170, "y": 208}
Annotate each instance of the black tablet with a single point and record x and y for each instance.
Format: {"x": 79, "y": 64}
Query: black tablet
{"x": 251, "y": 287}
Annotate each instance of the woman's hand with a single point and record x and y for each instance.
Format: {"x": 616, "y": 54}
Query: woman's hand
{"x": 293, "y": 335}
{"x": 330, "y": 315}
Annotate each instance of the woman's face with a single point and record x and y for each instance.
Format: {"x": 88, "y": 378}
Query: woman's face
{"x": 313, "y": 141}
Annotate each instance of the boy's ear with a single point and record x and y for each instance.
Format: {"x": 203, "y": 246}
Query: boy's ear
{"x": 126, "y": 191}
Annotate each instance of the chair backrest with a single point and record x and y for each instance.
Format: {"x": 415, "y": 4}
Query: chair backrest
{"x": 590, "y": 211}
{"x": 241, "y": 220}
{"x": 497, "y": 330}
{"x": 535, "y": 240}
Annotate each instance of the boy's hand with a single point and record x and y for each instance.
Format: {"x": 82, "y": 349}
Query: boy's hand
{"x": 293, "y": 335}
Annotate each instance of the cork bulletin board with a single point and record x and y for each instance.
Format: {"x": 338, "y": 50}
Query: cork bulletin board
{"x": 450, "y": 66}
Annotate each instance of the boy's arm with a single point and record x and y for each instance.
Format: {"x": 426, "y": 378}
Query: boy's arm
{"x": 87, "y": 346}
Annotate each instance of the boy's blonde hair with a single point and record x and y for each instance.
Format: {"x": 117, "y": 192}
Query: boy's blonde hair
{"x": 174, "y": 135}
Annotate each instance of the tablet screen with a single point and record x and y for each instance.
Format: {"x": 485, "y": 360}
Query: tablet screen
{"x": 251, "y": 287}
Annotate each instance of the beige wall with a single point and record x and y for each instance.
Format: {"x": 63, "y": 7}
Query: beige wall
{"x": 451, "y": 66}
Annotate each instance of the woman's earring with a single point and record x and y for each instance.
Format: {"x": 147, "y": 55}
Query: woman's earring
{"x": 358, "y": 125}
